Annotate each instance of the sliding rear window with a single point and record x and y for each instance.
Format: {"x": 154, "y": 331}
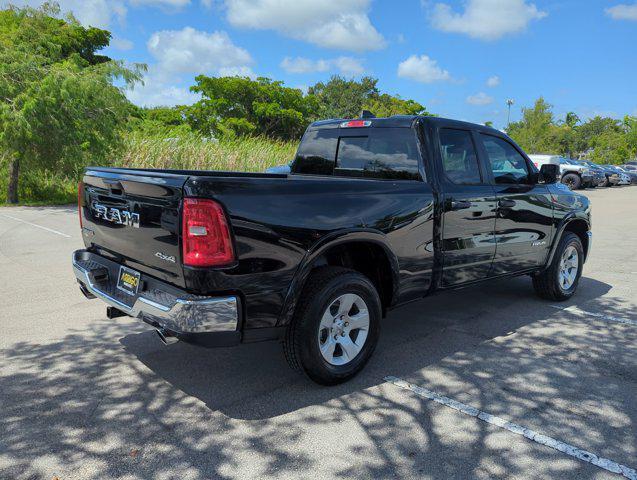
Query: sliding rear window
{"x": 389, "y": 153}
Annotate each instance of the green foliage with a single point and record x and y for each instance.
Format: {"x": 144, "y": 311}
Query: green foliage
{"x": 59, "y": 108}
{"x": 601, "y": 139}
{"x": 386, "y": 105}
{"x": 170, "y": 122}
{"x": 240, "y": 106}
{"x": 532, "y": 132}
{"x": 341, "y": 98}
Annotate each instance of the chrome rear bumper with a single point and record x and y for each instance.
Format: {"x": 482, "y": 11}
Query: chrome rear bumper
{"x": 161, "y": 305}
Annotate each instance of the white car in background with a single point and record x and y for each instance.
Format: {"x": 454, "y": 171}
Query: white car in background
{"x": 574, "y": 175}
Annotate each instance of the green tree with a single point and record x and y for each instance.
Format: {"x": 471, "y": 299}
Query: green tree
{"x": 58, "y": 106}
{"x": 611, "y": 147}
{"x": 630, "y": 127}
{"x": 589, "y": 131}
{"x": 241, "y": 106}
{"x": 386, "y": 105}
{"x": 341, "y": 98}
{"x": 571, "y": 120}
{"x": 532, "y": 132}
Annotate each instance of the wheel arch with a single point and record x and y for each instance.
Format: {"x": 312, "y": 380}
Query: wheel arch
{"x": 365, "y": 251}
{"x": 577, "y": 224}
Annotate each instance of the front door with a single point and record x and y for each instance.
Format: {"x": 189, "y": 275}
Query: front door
{"x": 524, "y": 223}
{"x": 469, "y": 204}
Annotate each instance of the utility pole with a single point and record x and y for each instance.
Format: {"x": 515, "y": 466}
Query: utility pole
{"x": 509, "y": 103}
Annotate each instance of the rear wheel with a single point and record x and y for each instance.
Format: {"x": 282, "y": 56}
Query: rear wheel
{"x": 559, "y": 281}
{"x": 572, "y": 181}
{"x": 335, "y": 327}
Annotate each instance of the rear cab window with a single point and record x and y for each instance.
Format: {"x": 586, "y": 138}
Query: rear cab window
{"x": 383, "y": 153}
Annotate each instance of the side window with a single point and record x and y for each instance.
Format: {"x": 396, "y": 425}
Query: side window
{"x": 507, "y": 164}
{"x": 459, "y": 159}
{"x": 317, "y": 152}
{"x": 390, "y": 153}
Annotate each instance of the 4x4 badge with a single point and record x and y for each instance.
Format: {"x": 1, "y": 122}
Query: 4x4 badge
{"x": 168, "y": 258}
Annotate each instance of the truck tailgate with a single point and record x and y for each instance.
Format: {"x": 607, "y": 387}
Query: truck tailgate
{"x": 134, "y": 218}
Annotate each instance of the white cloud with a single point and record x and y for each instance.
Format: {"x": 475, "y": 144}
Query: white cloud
{"x": 423, "y": 69}
{"x": 185, "y": 53}
{"x": 193, "y": 51}
{"x": 158, "y": 92}
{"x": 122, "y": 43}
{"x": 345, "y": 65}
{"x": 486, "y": 19}
{"x": 623, "y": 12}
{"x": 342, "y": 25}
{"x": 479, "y": 99}
{"x": 493, "y": 81}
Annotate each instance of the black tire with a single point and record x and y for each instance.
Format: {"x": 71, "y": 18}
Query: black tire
{"x": 547, "y": 284}
{"x": 301, "y": 343}
{"x": 572, "y": 180}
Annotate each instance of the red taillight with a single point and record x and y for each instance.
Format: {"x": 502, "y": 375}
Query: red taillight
{"x": 80, "y": 201}
{"x": 356, "y": 123}
{"x": 205, "y": 234}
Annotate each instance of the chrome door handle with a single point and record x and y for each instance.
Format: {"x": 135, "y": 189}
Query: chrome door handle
{"x": 506, "y": 203}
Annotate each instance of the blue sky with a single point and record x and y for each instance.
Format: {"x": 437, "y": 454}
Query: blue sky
{"x": 461, "y": 59}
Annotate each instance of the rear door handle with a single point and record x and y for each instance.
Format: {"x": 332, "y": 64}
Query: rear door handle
{"x": 460, "y": 205}
{"x": 506, "y": 203}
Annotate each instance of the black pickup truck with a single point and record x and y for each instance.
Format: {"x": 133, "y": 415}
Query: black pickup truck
{"x": 375, "y": 212}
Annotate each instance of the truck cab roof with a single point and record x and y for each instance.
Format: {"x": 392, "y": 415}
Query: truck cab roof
{"x": 399, "y": 121}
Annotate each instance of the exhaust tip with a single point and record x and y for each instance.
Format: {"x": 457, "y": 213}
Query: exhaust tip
{"x": 166, "y": 337}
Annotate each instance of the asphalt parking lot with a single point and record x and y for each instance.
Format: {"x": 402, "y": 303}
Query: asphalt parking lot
{"x": 516, "y": 382}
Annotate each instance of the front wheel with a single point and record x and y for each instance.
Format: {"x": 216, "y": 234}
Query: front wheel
{"x": 559, "y": 281}
{"x": 335, "y": 326}
{"x": 572, "y": 181}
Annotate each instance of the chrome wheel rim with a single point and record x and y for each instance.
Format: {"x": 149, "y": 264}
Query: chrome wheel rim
{"x": 569, "y": 265}
{"x": 343, "y": 329}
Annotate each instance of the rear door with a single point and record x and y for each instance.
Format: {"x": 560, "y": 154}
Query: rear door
{"x": 469, "y": 204}
{"x": 133, "y": 218}
{"x": 524, "y": 219}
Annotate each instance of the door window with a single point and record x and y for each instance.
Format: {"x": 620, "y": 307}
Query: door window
{"x": 459, "y": 159}
{"x": 507, "y": 165}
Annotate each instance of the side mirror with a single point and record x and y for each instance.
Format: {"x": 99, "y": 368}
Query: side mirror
{"x": 549, "y": 173}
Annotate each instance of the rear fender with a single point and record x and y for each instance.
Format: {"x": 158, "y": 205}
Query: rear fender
{"x": 322, "y": 246}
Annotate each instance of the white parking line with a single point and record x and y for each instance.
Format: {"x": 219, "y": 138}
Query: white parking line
{"x": 609, "y": 318}
{"x": 36, "y": 226}
{"x": 578, "y": 453}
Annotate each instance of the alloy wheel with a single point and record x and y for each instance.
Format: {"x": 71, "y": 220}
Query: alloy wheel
{"x": 569, "y": 266}
{"x": 343, "y": 329}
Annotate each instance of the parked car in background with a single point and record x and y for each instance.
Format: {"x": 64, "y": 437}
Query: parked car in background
{"x": 631, "y": 170}
{"x": 279, "y": 169}
{"x": 624, "y": 178}
{"x": 599, "y": 173}
{"x": 599, "y": 177}
{"x": 573, "y": 175}
{"x": 612, "y": 177}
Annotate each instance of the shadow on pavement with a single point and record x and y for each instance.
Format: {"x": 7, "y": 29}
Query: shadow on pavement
{"x": 86, "y": 404}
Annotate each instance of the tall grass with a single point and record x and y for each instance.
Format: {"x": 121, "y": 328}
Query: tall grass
{"x": 186, "y": 152}
{"x": 191, "y": 152}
